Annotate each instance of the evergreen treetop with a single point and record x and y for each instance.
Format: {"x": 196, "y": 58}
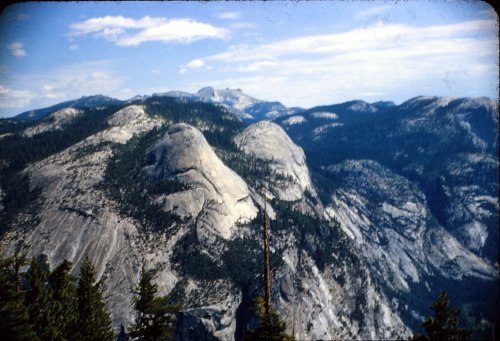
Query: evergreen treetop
{"x": 14, "y": 317}
{"x": 155, "y": 319}
{"x": 271, "y": 328}
{"x": 94, "y": 322}
{"x": 444, "y": 325}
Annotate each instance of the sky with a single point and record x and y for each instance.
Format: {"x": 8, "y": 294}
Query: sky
{"x": 302, "y": 53}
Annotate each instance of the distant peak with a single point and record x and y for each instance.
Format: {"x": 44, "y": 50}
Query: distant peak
{"x": 207, "y": 91}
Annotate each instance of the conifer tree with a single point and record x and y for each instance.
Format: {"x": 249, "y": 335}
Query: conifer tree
{"x": 94, "y": 322}
{"x": 444, "y": 324}
{"x": 270, "y": 328}
{"x": 14, "y": 316}
{"x": 64, "y": 299}
{"x": 39, "y": 302}
{"x": 155, "y": 319}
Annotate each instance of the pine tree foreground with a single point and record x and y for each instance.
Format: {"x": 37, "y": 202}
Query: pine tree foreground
{"x": 14, "y": 316}
{"x": 93, "y": 319}
{"x": 271, "y": 328}
{"x": 444, "y": 324}
{"x": 155, "y": 319}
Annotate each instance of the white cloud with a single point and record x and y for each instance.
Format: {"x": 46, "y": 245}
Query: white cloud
{"x": 378, "y": 37}
{"x": 380, "y": 59}
{"x": 131, "y": 32}
{"x": 17, "y": 49}
{"x": 193, "y": 65}
{"x": 229, "y": 15}
{"x": 74, "y": 47}
{"x": 12, "y": 98}
{"x": 52, "y": 86}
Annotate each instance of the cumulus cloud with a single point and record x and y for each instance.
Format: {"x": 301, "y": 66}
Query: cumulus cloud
{"x": 13, "y": 98}
{"x": 16, "y": 49}
{"x": 376, "y": 61}
{"x": 403, "y": 39}
{"x": 193, "y": 65}
{"x": 65, "y": 83}
{"x": 133, "y": 32}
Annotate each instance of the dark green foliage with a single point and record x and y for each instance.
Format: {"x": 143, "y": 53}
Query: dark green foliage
{"x": 271, "y": 328}
{"x": 17, "y": 150}
{"x": 94, "y": 322}
{"x": 18, "y": 197}
{"x": 133, "y": 190}
{"x": 249, "y": 167}
{"x": 243, "y": 261}
{"x": 42, "y": 308}
{"x": 14, "y": 316}
{"x": 325, "y": 241}
{"x": 178, "y": 294}
{"x": 222, "y": 124}
{"x": 155, "y": 319}
{"x": 63, "y": 288}
{"x": 193, "y": 262}
{"x": 444, "y": 325}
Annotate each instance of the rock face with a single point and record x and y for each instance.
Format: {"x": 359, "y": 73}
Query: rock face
{"x": 247, "y": 108}
{"x": 128, "y": 122}
{"x": 53, "y": 121}
{"x": 83, "y": 102}
{"x": 269, "y": 142}
{"x": 217, "y": 197}
{"x": 359, "y": 242}
{"x": 414, "y": 186}
{"x": 79, "y": 219}
{"x": 321, "y": 306}
{"x": 388, "y": 218}
{"x": 447, "y": 146}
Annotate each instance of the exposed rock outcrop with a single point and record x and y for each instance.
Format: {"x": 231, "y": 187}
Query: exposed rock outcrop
{"x": 268, "y": 141}
{"x": 217, "y": 197}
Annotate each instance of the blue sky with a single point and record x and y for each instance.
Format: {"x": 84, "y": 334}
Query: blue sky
{"x": 300, "y": 53}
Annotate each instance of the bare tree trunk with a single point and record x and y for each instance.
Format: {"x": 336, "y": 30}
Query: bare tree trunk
{"x": 267, "y": 279}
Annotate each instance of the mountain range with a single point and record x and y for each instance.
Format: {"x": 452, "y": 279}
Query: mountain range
{"x": 374, "y": 207}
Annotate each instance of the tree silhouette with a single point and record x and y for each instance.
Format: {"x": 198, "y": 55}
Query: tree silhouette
{"x": 38, "y": 299}
{"x": 444, "y": 324}
{"x": 94, "y": 322}
{"x": 270, "y": 328}
{"x": 64, "y": 296}
{"x": 14, "y": 316}
{"x": 155, "y": 319}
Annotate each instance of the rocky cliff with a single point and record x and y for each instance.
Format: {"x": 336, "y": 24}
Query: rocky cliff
{"x": 178, "y": 186}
